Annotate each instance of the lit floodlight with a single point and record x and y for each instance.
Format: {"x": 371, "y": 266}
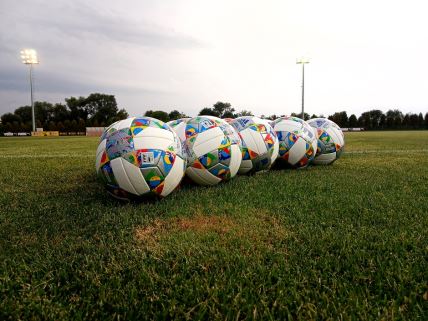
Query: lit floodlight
{"x": 29, "y": 57}
{"x": 302, "y": 61}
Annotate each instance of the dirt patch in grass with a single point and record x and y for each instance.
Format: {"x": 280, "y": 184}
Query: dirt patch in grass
{"x": 197, "y": 224}
{"x": 259, "y": 230}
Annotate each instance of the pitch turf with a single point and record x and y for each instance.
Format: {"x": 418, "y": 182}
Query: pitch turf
{"x": 347, "y": 241}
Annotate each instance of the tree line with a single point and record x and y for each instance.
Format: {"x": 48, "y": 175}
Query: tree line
{"x": 377, "y": 120}
{"x": 100, "y": 110}
{"x": 96, "y": 110}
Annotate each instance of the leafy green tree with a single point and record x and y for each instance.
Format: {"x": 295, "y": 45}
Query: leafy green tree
{"x": 271, "y": 117}
{"x": 60, "y": 113}
{"x": 16, "y": 127}
{"x": 426, "y": 121}
{"x": 340, "y": 118}
{"x": 100, "y": 107}
{"x": 81, "y": 125}
{"x": 219, "y": 109}
{"x": 175, "y": 114}
{"x": 158, "y": 114}
{"x": 299, "y": 115}
{"x": 406, "y": 121}
{"x": 10, "y": 118}
{"x": 208, "y": 112}
{"x": 121, "y": 114}
{"x": 244, "y": 113}
{"x": 60, "y": 126}
{"x": 420, "y": 121}
{"x": 43, "y": 111}
{"x": 27, "y": 126}
{"x": 394, "y": 118}
{"x": 24, "y": 113}
{"x": 382, "y": 122}
{"x": 74, "y": 125}
{"x": 225, "y": 110}
{"x": 76, "y": 107}
{"x": 51, "y": 125}
{"x": 353, "y": 121}
{"x": 67, "y": 125}
{"x": 413, "y": 121}
{"x": 370, "y": 119}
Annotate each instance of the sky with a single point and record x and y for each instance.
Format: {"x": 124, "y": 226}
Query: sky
{"x": 189, "y": 54}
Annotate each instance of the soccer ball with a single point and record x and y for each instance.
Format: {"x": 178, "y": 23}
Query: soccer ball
{"x": 297, "y": 141}
{"x": 331, "y": 141}
{"x": 140, "y": 156}
{"x": 259, "y": 143}
{"x": 212, "y": 149}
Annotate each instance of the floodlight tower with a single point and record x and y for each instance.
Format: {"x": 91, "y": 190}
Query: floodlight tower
{"x": 29, "y": 57}
{"x": 303, "y": 61}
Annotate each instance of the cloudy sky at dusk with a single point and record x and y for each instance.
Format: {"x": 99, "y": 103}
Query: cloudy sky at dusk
{"x": 185, "y": 55}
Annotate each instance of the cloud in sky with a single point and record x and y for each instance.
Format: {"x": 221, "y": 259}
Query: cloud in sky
{"x": 189, "y": 54}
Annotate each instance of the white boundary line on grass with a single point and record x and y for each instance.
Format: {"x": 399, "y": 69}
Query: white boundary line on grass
{"x": 47, "y": 156}
{"x": 354, "y": 152}
{"x": 386, "y": 151}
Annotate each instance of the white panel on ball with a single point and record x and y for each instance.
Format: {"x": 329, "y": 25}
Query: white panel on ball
{"x": 135, "y": 178}
{"x": 202, "y": 176}
{"x": 246, "y": 166}
{"x": 253, "y": 141}
{"x": 101, "y": 147}
{"x": 325, "y": 159}
{"x": 208, "y": 141}
{"x": 121, "y": 177}
{"x": 126, "y": 123}
{"x": 174, "y": 177}
{"x": 297, "y": 151}
{"x": 235, "y": 162}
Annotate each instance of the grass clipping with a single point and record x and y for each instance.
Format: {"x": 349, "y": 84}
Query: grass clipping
{"x": 259, "y": 231}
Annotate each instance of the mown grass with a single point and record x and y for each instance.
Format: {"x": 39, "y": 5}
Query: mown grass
{"x": 347, "y": 241}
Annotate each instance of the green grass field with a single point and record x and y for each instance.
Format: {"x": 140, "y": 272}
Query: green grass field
{"x": 347, "y": 241}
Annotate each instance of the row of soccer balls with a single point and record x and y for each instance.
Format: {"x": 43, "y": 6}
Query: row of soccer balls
{"x": 139, "y": 156}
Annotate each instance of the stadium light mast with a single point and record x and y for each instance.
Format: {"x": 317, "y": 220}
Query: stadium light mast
{"x": 303, "y": 62}
{"x": 29, "y": 57}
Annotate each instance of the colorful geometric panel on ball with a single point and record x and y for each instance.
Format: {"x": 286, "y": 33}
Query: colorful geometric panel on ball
{"x": 209, "y": 159}
{"x": 138, "y": 125}
{"x": 221, "y": 171}
{"x": 153, "y": 176}
{"x": 107, "y": 174}
{"x": 191, "y": 130}
{"x": 120, "y": 142}
{"x": 283, "y": 149}
{"x": 224, "y": 153}
{"x": 166, "y": 162}
{"x": 148, "y": 157}
{"x": 245, "y": 154}
{"x": 269, "y": 141}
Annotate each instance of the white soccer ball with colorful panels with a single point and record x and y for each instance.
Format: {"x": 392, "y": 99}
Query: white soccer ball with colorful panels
{"x": 330, "y": 140}
{"x": 259, "y": 143}
{"x": 212, "y": 148}
{"x": 297, "y": 142}
{"x": 142, "y": 156}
